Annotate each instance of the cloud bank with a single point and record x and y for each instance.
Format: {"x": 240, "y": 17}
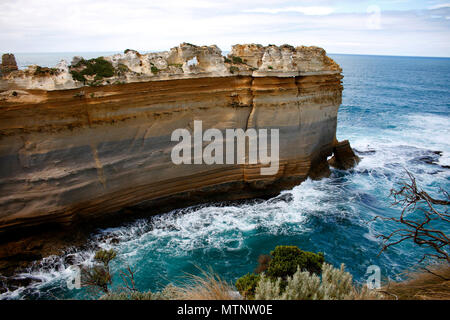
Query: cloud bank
{"x": 399, "y": 27}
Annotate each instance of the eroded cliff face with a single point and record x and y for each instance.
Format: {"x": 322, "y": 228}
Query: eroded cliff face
{"x": 70, "y": 151}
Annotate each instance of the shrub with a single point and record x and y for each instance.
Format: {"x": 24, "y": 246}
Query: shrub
{"x": 336, "y": 284}
{"x": 236, "y": 59}
{"x": 99, "y": 275}
{"x": 42, "y": 71}
{"x": 130, "y": 50}
{"x": 96, "y": 277}
{"x": 77, "y": 76}
{"x": 122, "y": 69}
{"x": 99, "y": 67}
{"x": 168, "y": 293}
{"x": 286, "y": 260}
{"x": 283, "y": 262}
{"x": 270, "y": 67}
{"x": 154, "y": 69}
{"x": 246, "y": 285}
{"x": 268, "y": 289}
{"x": 234, "y": 69}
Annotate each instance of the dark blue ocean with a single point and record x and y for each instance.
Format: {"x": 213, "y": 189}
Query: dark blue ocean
{"x": 395, "y": 112}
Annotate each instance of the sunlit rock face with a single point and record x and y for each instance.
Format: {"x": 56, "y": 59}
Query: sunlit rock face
{"x": 285, "y": 58}
{"x": 71, "y": 151}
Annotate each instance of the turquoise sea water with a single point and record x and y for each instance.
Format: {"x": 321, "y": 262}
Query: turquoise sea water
{"x": 395, "y": 112}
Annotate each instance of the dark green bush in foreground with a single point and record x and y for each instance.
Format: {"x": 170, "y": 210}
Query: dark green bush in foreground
{"x": 286, "y": 260}
{"x": 246, "y": 285}
{"x": 282, "y": 263}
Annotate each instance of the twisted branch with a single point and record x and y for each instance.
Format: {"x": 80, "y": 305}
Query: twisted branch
{"x": 410, "y": 197}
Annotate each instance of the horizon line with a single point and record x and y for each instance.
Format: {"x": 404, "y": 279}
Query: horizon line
{"x": 227, "y": 51}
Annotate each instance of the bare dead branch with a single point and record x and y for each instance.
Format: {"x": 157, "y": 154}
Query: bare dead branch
{"x": 420, "y": 230}
{"x": 128, "y": 278}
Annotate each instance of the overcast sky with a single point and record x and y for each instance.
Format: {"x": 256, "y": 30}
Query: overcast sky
{"x": 399, "y": 27}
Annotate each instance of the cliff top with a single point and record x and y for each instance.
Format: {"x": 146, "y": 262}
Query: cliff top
{"x": 184, "y": 61}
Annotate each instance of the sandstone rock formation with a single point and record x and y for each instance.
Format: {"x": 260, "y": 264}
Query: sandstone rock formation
{"x": 74, "y": 150}
{"x": 184, "y": 61}
{"x": 8, "y": 64}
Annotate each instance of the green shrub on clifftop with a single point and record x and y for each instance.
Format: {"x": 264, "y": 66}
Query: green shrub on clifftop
{"x": 286, "y": 260}
{"x": 99, "y": 67}
{"x": 234, "y": 69}
{"x": 42, "y": 71}
{"x": 236, "y": 59}
{"x": 154, "y": 69}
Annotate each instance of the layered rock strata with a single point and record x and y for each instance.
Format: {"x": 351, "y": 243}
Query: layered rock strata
{"x": 77, "y": 146}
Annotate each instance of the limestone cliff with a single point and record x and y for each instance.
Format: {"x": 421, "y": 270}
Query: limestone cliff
{"x": 81, "y": 144}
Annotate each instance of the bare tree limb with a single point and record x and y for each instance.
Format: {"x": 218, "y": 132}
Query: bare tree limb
{"x": 419, "y": 230}
{"x": 128, "y": 279}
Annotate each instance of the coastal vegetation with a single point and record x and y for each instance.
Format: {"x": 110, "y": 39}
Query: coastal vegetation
{"x": 98, "y": 68}
{"x": 122, "y": 69}
{"x": 99, "y": 276}
{"x": 43, "y": 71}
{"x": 234, "y": 69}
{"x": 282, "y": 263}
{"x": 333, "y": 284}
{"x": 236, "y": 59}
{"x": 154, "y": 69}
